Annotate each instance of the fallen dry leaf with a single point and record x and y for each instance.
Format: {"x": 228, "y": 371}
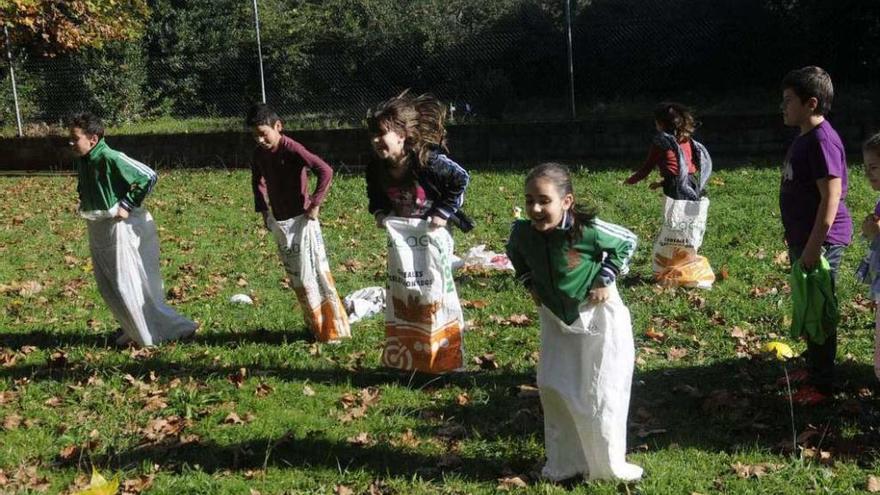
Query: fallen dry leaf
{"x": 475, "y": 304}
{"x": 237, "y": 379}
{"x": 754, "y": 470}
{"x": 676, "y": 353}
{"x": 263, "y": 389}
{"x": 654, "y": 335}
{"x": 307, "y": 391}
{"x": 137, "y": 485}
{"x": 12, "y": 422}
{"x": 873, "y": 484}
{"x": 486, "y": 361}
{"x": 342, "y": 490}
{"x": 406, "y": 439}
{"x": 509, "y": 482}
{"x": 519, "y": 320}
{"x": 69, "y": 452}
{"x": 362, "y": 439}
{"x": 57, "y": 359}
{"x": 233, "y": 419}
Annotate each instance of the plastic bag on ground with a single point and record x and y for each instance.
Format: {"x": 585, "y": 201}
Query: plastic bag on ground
{"x": 301, "y": 247}
{"x": 676, "y": 262}
{"x": 584, "y": 378}
{"x": 125, "y": 256}
{"x": 364, "y": 303}
{"x": 478, "y": 258}
{"x": 423, "y": 318}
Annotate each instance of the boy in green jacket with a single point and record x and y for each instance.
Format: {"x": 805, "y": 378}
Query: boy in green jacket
{"x": 123, "y": 240}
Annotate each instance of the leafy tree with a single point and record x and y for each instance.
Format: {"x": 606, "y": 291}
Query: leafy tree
{"x": 49, "y": 27}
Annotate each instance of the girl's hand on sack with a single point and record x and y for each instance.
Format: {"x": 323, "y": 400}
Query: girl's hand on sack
{"x": 380, "y": 220}
{"x": 656, "y": 185}
{"x": 599, "y": 294}
{"x": 121, "y": 213}
{"x": 871, "y": 226}
{"x": 437, "y": 222}
{"x": 312, "y": 212}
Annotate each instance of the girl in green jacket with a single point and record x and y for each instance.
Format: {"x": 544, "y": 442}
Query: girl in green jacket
{"x": 569, "y": 261}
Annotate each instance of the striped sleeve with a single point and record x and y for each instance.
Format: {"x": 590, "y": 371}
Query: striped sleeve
{"x": 455, "y": 181}
{"x": 141, "y": 180}
{"x": 619, "y": 245}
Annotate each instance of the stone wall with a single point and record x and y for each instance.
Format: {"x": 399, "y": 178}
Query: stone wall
{"x": 729, "y": 139}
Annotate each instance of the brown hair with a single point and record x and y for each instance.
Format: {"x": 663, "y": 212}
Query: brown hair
{"x": 676, "y": 119}
{"x": 811, "y": 82}
{"x": 560, "y": 176}
{"x": 421, "y": 120}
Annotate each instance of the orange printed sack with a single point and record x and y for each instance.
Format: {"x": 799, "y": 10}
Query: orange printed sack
{"x": 423, "y": 318}
{"x": 676, "y": 262}
{"x": 301, "y": 247}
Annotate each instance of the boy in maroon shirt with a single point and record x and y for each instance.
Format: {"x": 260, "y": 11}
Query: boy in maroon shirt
{"x": 281, "y": 193}
{"x": 279, "y": 177}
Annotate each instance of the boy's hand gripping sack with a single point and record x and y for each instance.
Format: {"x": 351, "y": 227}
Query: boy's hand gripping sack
{"x": 423, "y": 318}
{"x": 301, "y": 247}
{"x": 676, "y": 262}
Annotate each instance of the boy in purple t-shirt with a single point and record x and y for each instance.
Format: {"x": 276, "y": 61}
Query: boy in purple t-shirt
{"x": 811, "y": 201}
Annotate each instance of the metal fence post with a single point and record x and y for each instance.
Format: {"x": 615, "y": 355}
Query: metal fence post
{"x": 259, "y": 50}
{"x": 12, "y": 78}
{"x": 570, "y": 57}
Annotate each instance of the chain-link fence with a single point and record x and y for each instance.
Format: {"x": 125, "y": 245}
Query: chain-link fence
{"x": 516, "y": 67}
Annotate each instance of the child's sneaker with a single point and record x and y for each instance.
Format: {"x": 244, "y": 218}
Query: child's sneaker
{"x": 808, "y": 395}
{"x": 796, "y": 377}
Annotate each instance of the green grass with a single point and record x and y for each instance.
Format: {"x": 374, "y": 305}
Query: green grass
{"x": 80, "y": 402}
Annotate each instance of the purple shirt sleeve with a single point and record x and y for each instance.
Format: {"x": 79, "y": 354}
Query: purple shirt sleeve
{"x": 877, "y": 209}
{"x": 318, "y": 166}
{"x": 826, "y": 161}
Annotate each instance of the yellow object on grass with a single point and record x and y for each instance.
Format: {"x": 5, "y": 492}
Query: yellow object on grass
{"x": 100, "y": 486}
{"x": 782, "y": 351}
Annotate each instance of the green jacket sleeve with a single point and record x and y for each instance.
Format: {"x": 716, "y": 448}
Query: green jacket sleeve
{"x": 618, "y": 244}
{"x": 139, "y": 178}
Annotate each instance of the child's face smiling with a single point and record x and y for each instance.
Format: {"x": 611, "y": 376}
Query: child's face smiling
{"x": 872, "y": 168}
{"x": 544, "y": 205}
{"x": 390, "y": 146}
{"x": 268, "y": 136}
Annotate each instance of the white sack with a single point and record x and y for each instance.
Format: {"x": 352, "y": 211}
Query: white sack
{"x": 125, "y": 256}
{"x": 423, "y": 318}
{"x": 584, "y": 378}
{"x": 301, "y": 248}
{"x": 676, "y": 261}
